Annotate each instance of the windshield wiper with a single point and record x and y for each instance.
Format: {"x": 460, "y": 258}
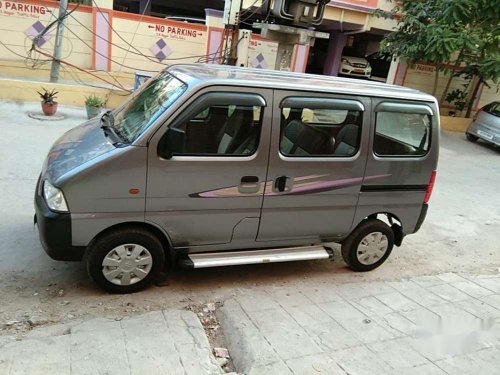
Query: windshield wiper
{"x": 108, "y": 117}
{"x": 107, "y": 125}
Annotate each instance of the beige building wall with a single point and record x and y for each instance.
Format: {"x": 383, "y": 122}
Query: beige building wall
{"x": 184, "y": 42}
{"x": 380, "y": 22}
{"x": 421, "y": 77}
{"x": 19, "y": 19}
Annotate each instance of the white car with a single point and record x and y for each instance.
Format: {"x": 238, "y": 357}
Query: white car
{"x": 354, "y": 65}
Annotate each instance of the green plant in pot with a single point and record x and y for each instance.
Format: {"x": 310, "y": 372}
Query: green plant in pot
{"x": 93, "y": 105}
{"x": 49, "y": 106}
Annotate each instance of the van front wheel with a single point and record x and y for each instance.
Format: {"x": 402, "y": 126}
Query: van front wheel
{"x": 368, "y": 246}
{"x": 125, "y": 260}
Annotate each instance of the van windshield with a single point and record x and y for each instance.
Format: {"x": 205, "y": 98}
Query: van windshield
{"x": 146, "y": 105}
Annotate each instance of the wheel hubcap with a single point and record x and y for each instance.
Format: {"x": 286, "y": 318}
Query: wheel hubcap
{"x": 372, "y": 248}
{"x": 127, "y": 264}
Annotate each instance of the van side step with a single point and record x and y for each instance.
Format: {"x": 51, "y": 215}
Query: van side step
{"x": 233, "y": 258}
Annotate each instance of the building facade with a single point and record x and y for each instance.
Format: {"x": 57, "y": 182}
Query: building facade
{"x": 127, "y": 36}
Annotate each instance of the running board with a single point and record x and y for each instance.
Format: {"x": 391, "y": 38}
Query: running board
{"x": 234, "y": 258}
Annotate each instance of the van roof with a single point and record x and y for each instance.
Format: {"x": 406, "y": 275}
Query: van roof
{"x": 213, "y": 74}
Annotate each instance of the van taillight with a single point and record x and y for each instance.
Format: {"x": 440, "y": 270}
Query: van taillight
{"x": 430, "y": 187}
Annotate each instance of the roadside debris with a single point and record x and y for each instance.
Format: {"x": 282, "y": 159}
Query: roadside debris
{"x": 213, "y": 331}
{"x": 222, "y": 362}
{"x": 221, "y": 353}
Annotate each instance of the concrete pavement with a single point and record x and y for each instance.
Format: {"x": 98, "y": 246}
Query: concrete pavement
{"x": 160, "y": 342}
{"x": 442, "y": 324}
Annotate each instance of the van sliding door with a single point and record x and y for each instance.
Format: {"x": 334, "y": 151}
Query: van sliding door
{"x": 316, "y": 167}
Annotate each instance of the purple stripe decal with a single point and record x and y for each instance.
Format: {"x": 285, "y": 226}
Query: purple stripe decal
{"x": 322, "y": 186}
{"x": 303, "y": 185}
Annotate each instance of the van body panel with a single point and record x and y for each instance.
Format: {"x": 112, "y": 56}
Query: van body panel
{"x": 74, "y": 148}
{"x": 404, "y": 205}
{"x": 105, "y": 186}
{"x": 205, "y": 204}
{"x": 321, "y": 200}
{"x": 212, "y": 75}
{"x": 402, "y": 192}
{"x": 85, "y": 227}
{"x": 199, "y": 199}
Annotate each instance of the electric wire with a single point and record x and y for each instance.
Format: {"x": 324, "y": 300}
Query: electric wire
{"x": 248, "y": 8}
{"x": 263, "y": 21}
{"x": 251, "y": 14}
{"x": 36, "y": 61}
{"x": 149, "y": 57}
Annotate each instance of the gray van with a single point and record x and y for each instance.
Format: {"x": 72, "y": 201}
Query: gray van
{"x": 211, "y": 165}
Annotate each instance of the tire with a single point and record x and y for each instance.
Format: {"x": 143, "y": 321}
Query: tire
{"x": 126, "y": 251}
{"x": 358, "y": 259}
{"x": 470, "y": 137}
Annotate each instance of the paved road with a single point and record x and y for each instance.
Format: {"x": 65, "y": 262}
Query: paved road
{"x": 461, "y": 234}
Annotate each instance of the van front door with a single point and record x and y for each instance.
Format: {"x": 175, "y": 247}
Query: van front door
{"x": 316, "y": 166}
{"x": 207, "y": 167}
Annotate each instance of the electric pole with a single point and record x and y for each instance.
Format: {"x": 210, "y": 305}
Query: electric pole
{"x": 232, "y": 10}
{"x": 56, "y": 64}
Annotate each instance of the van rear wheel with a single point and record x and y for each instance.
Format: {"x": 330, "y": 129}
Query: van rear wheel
{"x": 368, "y": 246}
{"x": 125, "y": 260}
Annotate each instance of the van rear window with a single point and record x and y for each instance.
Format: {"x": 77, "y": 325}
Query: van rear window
{"x": 402, "y": 134}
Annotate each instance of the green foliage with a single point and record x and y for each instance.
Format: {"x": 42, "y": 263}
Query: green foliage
{"x": 461, "y": 33}
{"x": 436, "y": 30}
{"x": 94, "y": 101}
{"x": 47, "y": 96}
{"x": 458, "y": 98}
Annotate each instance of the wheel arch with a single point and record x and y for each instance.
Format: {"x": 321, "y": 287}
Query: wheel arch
{"x": 392, "y": 220}
{"x": 150, "y": 227}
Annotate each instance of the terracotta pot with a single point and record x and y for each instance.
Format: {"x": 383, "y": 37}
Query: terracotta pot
{"x": 49, "y": 109}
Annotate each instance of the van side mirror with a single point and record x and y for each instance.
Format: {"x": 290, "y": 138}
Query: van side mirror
{"x": 172, "y": 143}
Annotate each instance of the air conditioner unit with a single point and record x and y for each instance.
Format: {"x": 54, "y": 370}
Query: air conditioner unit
{"x": 301, "y": 12}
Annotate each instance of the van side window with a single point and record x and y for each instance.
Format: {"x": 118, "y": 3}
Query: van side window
{"x": 223, "y": 130}
{"x": 402, "y": 134}
{"x": 320, "y": 131}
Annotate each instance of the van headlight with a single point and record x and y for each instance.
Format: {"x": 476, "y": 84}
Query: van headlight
{"x": 54, "y": 197}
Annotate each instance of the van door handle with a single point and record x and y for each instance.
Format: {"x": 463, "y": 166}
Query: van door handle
{"x": 280, "y": 183}
{"x": 249, "y": 185}
{"x": 249, "y": 179}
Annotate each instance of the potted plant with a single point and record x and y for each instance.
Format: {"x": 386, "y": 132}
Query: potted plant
{"x": 49, "y": 106}
{"x": 93, "y": 105}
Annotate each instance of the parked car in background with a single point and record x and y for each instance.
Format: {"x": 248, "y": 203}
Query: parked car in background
{"x": 486, "y": 125}
{"x": 353, "y": 64}
{"x": 380, "y": 64}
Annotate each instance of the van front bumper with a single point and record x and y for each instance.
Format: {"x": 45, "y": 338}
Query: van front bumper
{"x": 54, "y": 230}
